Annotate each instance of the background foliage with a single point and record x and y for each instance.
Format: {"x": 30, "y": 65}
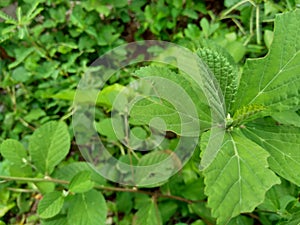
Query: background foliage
{"x": 46, "y": 47}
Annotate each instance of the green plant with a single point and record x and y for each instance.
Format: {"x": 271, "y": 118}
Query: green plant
{"x": 253, "y": 149}
{"x": 258, "y": 158}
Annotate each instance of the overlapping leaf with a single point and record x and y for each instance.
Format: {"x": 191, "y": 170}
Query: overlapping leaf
{"x": 283, "y": 145}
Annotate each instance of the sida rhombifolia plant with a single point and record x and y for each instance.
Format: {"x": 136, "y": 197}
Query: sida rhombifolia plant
{"x": 260, "y": 147}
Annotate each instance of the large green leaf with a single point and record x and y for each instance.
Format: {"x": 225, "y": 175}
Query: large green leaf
{"x": 283, "y": 145}
{"x": 238, "y": 178}
{"x": 274, "y": 80}
{"x": 49, "y": 145}
{"x": 148, "y": 214}
{"x": 88, "y": 208}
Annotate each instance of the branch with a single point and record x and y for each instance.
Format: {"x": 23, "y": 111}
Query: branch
{"x": 100, "y": 187}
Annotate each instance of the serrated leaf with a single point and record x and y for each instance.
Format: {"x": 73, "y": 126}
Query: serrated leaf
{"x": 274, "y": 80}
{"x": 87, "y": 208}
{"x": 148, "y": 214}
{"x": 49, "y": 145}
{"x": 50, "y": 205}
{"x": 238, "y": 178}
{"x": 224, "y": 71}
{"x": 81, "y": 182}
{"x": 283, "y": 145}
{"x": 13, "y": 151}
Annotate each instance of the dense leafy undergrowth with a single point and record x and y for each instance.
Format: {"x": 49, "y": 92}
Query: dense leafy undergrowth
{"x": 241, "y": 167}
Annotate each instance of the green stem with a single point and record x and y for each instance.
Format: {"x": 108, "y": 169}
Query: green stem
{"x": 258, "y": 31}
{"x": 100, "y": 187}
{"x": 236, "y": 6}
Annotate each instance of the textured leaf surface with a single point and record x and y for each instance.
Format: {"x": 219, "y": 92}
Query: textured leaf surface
{"x": 237, "y": 180}
{"x": 224, "y": 71}
{"x": 49, "y": 145}
{"x": 283, "y": 145}
{"x": 148, "y": 214}
{"x": 13, "y": 151}
{"x": 50, "y": 205}
{"x": 274, "y": 80}
{"x": 88, "y": 208}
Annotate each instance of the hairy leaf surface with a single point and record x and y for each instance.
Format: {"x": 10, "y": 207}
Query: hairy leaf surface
{"x": 224, "y": 71}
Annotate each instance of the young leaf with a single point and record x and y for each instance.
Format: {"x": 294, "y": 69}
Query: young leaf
{"x": 283, "y": 145}
{"x": 81, "y": 182}
{"x": 50, "y": 205}
{"x": 148, "y": 214}
{"x": 49, "y": 145}
{"x": 13, "y": 151}
{"x": 273, "y": 81}
{"x": 87, "y": 208}
{"x": 224, "y": 71}
{"x": 238, "y": 178}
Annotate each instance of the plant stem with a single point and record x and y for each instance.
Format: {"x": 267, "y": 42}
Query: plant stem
{"x": 100, "y": 187}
